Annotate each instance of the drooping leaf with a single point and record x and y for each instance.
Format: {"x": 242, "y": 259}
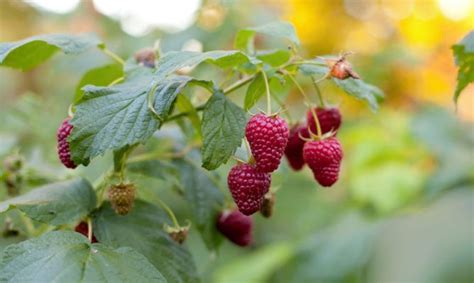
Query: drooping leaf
{"x": 255, "y": 91}
{"x": 57, "y": 203}
{"x": 204, "y": 197}
{"x": 361, "y": 90}
{"x": 100, "y": 76}
{"x": 244, "y": 38}
{"x": 152, "y": 168}
{"x": 142, "y": 230}
{"x": 30, "y": 52}
{"x": 464, "y": 59}
{"x": 69, "y": 257}
{"x": 275, "y": 57}
{"x": 223, "y": 125}
{"x": 109, "y": 118}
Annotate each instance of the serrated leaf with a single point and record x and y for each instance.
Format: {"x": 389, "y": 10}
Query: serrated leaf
{"x": 100, "y": 76}
{"x": 175, "y": 60}
{"x": 152, "y": 168}
{"x": 244, "y": 38}
{"x": 69, "y": 257}
{"x": 30, "y": 52}
{"x": 464, "y": 58}
{"x": 255, "y": 91}
{"x": 223, "y": 125}
{"x": 109, "y": 118}
{"x": 275, "y": 57}
{"x": 204, "y": 197}
{"x": 361, "y": 90}
{"x": 57, "y": 203}
{"x": 142, "y": 230}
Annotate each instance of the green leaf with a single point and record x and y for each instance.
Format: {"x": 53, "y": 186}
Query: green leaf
{"x": 153, "y": 168}
{"x": 69, "y": 257}
{"x": 244, "y": 38}
{"x": 204, "y": 197}
{"x": 464, "y": 58}
{"x": 100, "y": 76}
{"x": 318, "y": 71}
{"x": 255, "y": 91}
{"x": 175, "y": 60}
{"x": 30, "y": 52}
{"x": 275, "y": 57}
{"x": 57, "y": 203}
{"x": 361, "y": 90}
{"x": 184, "y": 105}
{"x": 142, "y": 230}
{"x": 223, "y": 125}
{"x": 110, "y": 118}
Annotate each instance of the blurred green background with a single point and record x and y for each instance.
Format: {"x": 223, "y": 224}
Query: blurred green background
{"x": 403, "y": 208}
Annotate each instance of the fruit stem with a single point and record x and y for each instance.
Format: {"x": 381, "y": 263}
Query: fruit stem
{"x": 168, "y": 211}
{"x": 89, "y": 229}
{"x": 267, "y": 88}
{"x": 299, "y": 87}
{"x": 316, "y": 120}
{"x": 237, "y": 84}
{"x": 113, "y": 55}
{"x": 318, "y": 92}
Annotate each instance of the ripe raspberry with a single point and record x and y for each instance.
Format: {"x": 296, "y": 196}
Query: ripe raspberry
{"x": 248, "y": 186}
{"x": 267, "y": 206}
{"x": 84, "y": 230}
{"x": 63, "y": 146}
{"x": 267, "y": 137}
{"x": 121, "y": 198}
{"x": 236, "y": 227}
{"x": 294, "y": 148}
{"x": 329, "y": 119}
{"x": 324, "y": 158}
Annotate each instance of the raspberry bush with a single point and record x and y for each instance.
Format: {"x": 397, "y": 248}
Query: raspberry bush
{"x": 96, "y": 228}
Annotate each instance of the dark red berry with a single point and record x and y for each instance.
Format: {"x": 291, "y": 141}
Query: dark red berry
{"x": 294, "y": 148}
{"x": 236, "y": 227}
{"x": 63, "y": 145}
{"x": 329, "y": 119}
{"x": 324, "y": 158}
{"x": 267, "y": 136}
{"x": 83, "y": 228}
{"x": 248, "y": 186}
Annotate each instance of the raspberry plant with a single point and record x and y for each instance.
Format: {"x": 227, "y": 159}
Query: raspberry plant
{"x": 120, "y": 107}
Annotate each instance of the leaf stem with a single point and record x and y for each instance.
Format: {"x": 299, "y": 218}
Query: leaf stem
{"x": 299, "y": 87}
{"x": 238, "y": 84}
{"x": 267, "y": 88}
{"x": 112, "y": 55}
{"x": 89, "y": 229}
{"x": 318, "y": 92}
{"x": 116, "y": 81}
{"x": 168, "y": 211}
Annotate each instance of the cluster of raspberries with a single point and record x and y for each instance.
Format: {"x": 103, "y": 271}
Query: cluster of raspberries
{"x": 269, "y": 139}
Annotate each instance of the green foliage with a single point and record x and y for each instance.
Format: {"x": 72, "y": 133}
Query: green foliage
{"x": 142, "y": 231}
{"x": 464, "y": 59}
{"x": 255, "y": 91}
{"x": 244, "y": 38}
{"x": 223, "y": 125}
{"x": 69, "y": 257}
{"x": 28, "y": 53}
{"x": 100, "y": 76}
{"x": 52, "y": 203}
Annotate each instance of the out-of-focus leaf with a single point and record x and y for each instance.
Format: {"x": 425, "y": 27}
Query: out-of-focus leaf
{"x": 255, "y": 267}
{"x": 318, "y": 71}
{"x": 184, "y": 105}
{"x": 464, "y": 59}
{"x": 204, "y": 198}
{"x": 255, "y": 91}
{"x": 142, "y": 230}
{"x": 223, "y": 124}
{"x": 69, "y": 257}
{"x": 100, "y": 76}
{"x": 57, "y": 203}
{"x": 275, "y": 57}
{"x": 244, "y": 38}
{"x": 152, "y": 168}
{"x": 334, "y": 255}
{"x": 361, "y": 90}
{"x": 30, "y": 52}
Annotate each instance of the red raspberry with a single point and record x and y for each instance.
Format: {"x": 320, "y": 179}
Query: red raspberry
{"x": 329, "y": 119}
{"x": 248, "y": 187}
{"x": 324, "y": 158}
{"x": 84, "y": 230}
{"x": 267, "y": 136}
{"x": 294, "y": 148}
{"x": 236, "y": 227}
{"x": 63, "y": 146}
